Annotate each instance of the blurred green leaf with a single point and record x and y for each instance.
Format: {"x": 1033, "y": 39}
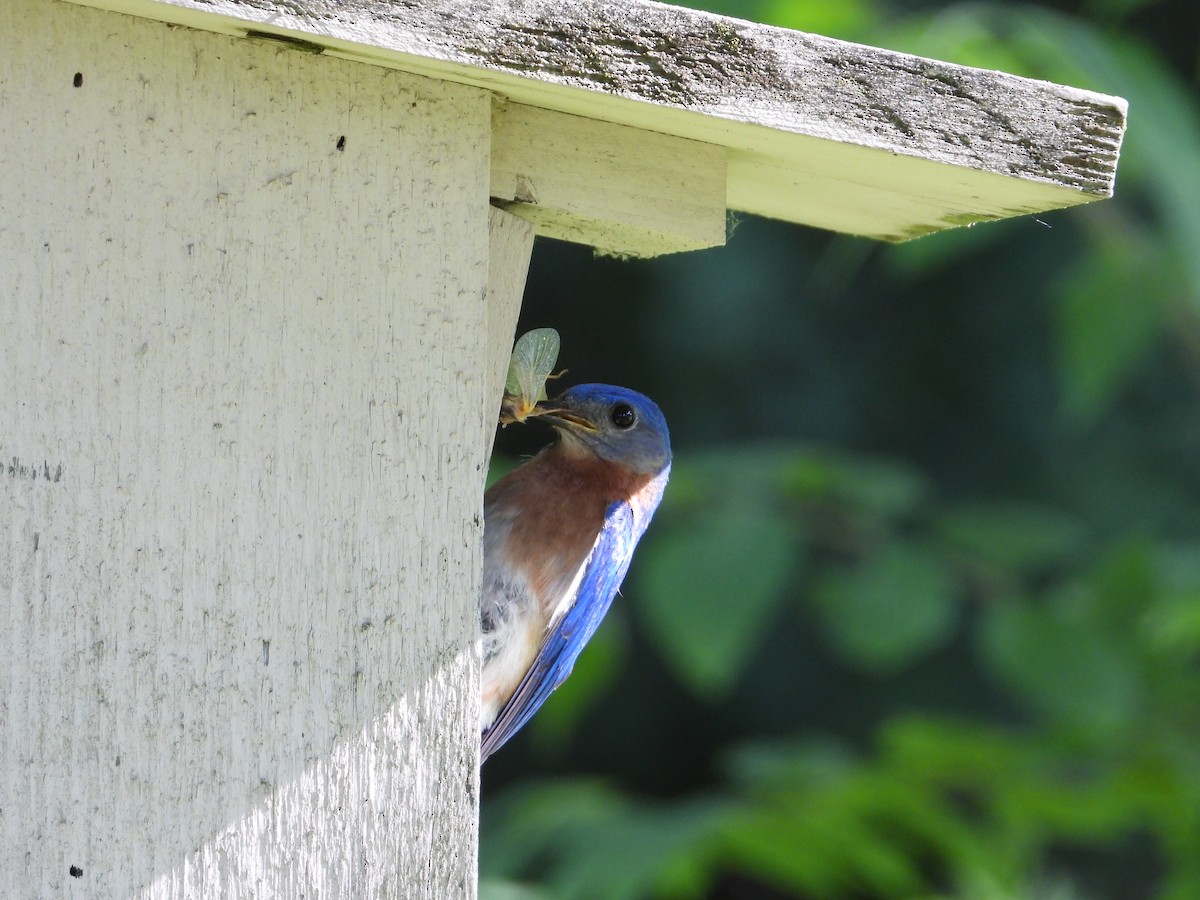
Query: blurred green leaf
{"x": 951, "y": 753}
{"x": 1064, "y": 669}
{"x": 494, "y": 889}
{"x": 1122, "y": 7}
{"x": 822, "y": 850}
{"x": 520, "y": 827}
{"x": 829, "y": 824}
{"x": 781, "y": 762}
{"x": 963, "y": 33}
{"x": 709, "y": 587}
{"x": 890, "y": 608}
{"x": 883, "y": 487}
{"x": 1018, "y": 536}
{"x": 746, "y": 475}
{"x": 986, "y": 886}
{"x": 755, "y": 475}
{"x": 1108, "y": 317}
{"x": 1172, "y": 619}
{"x": 846, "y": 19}
{"x": 601, "y": 845}
{"x": 635, "y": 856}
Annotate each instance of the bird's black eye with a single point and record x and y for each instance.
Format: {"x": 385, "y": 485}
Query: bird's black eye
{"x": 623, "y": 416}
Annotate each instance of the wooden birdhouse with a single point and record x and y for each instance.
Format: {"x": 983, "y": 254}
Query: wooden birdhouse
{"x": 262, "y": 262}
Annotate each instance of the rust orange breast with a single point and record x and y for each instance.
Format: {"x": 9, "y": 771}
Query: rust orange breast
{"x": 559, "y": 500}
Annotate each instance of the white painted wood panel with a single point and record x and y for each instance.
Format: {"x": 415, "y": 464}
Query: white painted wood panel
{"x": 508, "y": 268}
{"x": 243, "y": 351}
{"x": 620, "y": 190}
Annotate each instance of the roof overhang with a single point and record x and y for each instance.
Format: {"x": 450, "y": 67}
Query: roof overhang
{"x": 811, "y": 130}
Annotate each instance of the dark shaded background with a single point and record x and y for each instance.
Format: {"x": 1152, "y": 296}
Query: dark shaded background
{"x": 920, "y": 613}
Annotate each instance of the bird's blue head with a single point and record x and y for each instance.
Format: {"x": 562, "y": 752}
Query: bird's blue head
{"x": 614, "y": 423}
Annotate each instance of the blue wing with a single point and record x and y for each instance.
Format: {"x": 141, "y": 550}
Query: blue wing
{"x": 603, "y": 573}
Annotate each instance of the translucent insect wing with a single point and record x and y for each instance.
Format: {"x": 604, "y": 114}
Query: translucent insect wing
{"x": 533, "y": 359}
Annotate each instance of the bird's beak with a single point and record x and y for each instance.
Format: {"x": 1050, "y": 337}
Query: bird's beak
{"x": 562, "y": 416}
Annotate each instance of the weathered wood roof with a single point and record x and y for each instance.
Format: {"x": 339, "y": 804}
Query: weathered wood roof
{"x": 814, "y": 130}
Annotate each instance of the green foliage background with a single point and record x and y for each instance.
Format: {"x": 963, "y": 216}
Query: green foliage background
{"x": 920, "y": 613}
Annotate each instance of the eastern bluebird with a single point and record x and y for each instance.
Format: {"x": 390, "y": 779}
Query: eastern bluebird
{"x": 558, "y": 535}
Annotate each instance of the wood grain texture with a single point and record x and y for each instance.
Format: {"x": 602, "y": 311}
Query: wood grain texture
{"x": 620, "y": 190}
{"x": 511, "y": 240}
{"x": 817, "y": 131}
{"x": 243, "y": 353}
